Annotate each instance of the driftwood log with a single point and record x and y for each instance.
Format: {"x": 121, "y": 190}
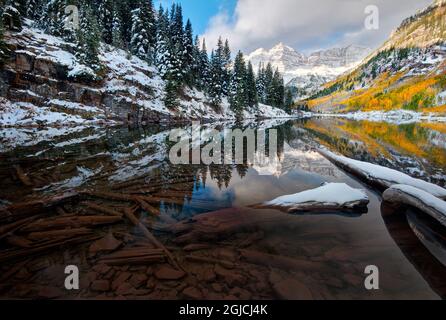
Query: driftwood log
{"x": 419, "y": 199}
{"x": 379, "y": 183}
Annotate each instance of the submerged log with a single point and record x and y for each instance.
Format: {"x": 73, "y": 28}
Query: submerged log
{"x": 44, "y": 247}
{"x": 65, "y": 233}
{"x": 71, "y": 222}
{"x": 225, "y": 223}
{"x": 12, "y": 227}
{"x": 110, "y": 196}
{"x": 22, "y": 176}
{"x": 130, "y": 215}
{"x": 280, "y": 262}
{"x": 37, "y": 206}
{"x": 423, "y": 201}
{"x": 147, "y": 207}
{"x": 102, "y": 209}
{"x": 158, "y": 200}
{"x": 226, "y": 264}
{"x": 134, "y": 256}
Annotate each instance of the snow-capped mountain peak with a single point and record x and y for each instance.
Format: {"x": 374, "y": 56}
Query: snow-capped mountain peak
{"x": 300, "y": 70}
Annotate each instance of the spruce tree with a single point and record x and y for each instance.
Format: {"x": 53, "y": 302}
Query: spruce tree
{"x": 54, "y": 16}
{"x": 88, "y": 39}
{"x": 139, "y": 42}
{"x": 106, "y": 16}
{"x": 204, "y": 67}
{"x": 116, "y": 30}
{"x": 34, "y": 9}
{"x": 214, "y": 80}
{"x": 189, "y": 54}
{"x": 289, "y": 100}
{"x": 171, "y": 94}
{"x": 268, "y": 76}
{"x": 4, "y": 50}
{"x": 226, "y": 68}
{"x": 12, "y": 15}
{"x": 261, "y": 84}
{"x": 251, "y": 90}
{"x": 238, "y": 87}
{"x": 162, "y": 56}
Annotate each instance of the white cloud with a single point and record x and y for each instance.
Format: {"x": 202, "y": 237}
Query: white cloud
{"x": 307, "y": 24}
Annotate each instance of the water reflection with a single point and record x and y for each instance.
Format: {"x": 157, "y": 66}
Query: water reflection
{"x": 134, "y": 162}
{"x": 421, "y": 241}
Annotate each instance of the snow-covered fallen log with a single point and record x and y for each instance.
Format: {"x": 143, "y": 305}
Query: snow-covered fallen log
{"x": 329, "y": 197}
{"x": 381, "y": 177}
{"x": 414, "y": 197}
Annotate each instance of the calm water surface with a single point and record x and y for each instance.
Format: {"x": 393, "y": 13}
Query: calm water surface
{"x": 407, "y": 249}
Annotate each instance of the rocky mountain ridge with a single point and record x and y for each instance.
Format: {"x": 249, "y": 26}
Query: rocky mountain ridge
{"x": 308, "y": 72}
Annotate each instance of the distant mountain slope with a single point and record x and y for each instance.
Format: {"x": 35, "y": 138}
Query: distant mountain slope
{"x": 308, "y": 72}
{"x": 407, "y": 72}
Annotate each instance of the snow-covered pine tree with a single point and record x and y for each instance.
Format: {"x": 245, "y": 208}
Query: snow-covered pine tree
{"x": 238, "y": 97}
{"x": 276, "y": 91}
{"x": 188, "y": 56}
{"x": 289, "y": 100}
{"x": 54, "y": 16}
{"x": 143, "y": 34}
{"x": 195, "y": 67}
{"x": 124, "y": 8}
{"x": 260, "y": 83}
{"x": 214, "y": 80}
{"x": 12, "y": 15}
{"x": 177, "y": 50}
{"x": 162, "y": 56}
{"x": 226, "y": 70}
{"x": 116, "y": 29}
{"x": 171, "y": 94}
{"x": 268, "y": 76}
{"x": 176, "y": 24}
{"x": 139, "y": 42}
{"x": 204, "y": 66}
{"x": 34, "y": 9}
{"x": 106, "y": 16}
{"x": 4, "y": 50}
{"x": 88, "y": 39}
{"x": 251, "y": 90}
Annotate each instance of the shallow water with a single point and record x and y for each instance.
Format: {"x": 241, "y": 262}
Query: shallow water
{"x": 338, "y": 246}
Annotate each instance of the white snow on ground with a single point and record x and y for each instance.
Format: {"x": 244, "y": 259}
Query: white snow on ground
{"x": 388, "y": 175}
{"x": 128, "y": 78}
{"x": 74, "y": 106}
{"x": 10, "y": 138}
{"x": 83, "y": 175}
{"x": 331, "y": 193}
{"x": 423, "y": 196}
{"x": 27, "y": 114}
{"x": 46, "y": 47}
{"x": 395, "y": 116}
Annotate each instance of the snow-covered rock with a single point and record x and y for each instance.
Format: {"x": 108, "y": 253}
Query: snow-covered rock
{"x": 330, "y": 196}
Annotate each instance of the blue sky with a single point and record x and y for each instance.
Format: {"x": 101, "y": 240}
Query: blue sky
{"x": 201, "y": 11}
